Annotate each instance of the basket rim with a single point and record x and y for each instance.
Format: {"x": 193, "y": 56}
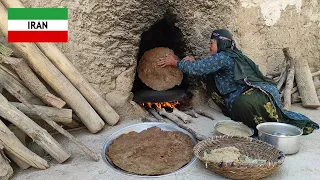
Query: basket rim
{"x": 279, "y": 161}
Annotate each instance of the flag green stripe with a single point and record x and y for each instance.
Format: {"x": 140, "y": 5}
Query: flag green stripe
{"x": 37, "y": 14}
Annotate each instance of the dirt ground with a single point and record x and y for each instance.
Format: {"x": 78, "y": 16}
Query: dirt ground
{"x": 303, "y": 165}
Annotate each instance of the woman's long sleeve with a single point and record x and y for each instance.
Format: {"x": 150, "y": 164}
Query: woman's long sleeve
{"x": 204, "y": 66}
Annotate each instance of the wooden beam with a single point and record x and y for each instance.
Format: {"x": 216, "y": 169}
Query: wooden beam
{"x": 289, "y": 81}
{"x": 56, "y": 114}
{"x": 12, "y": 144}
{"x": 32, "y": 82}
{"x": 33, "y": 130}
{"x": 8, "y": 81}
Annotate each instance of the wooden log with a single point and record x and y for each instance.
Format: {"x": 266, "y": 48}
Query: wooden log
{"x": 176, "y": 120}
{"x": 305, "y": 84}
{"x": 56, "y": 114}
{"x": 184, "y": 117}
{"x": 191, "y": 113}
{"x": 282, "y": 79}
{"x": 155, "y": 114}
{"x": 204, "y": 112}
{"x": 9, "y": 81}
{"x": 6, "y": 170}
{"x": 22, "y": 137}
{"x": 316, "y": 74}
{"x": 32, "y": 82}
{"x": 33, "y": 130}
{"x": 42, "y": 66}
{"x": 289, "y": 81}
{"x": 43, "y": 116}
{"x": 76, "y": 78}
{"x": 6, "y": 51}
{"x": 13, "y": 145}
{"x": 170, "y": 116}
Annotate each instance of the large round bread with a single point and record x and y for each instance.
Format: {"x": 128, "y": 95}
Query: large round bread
{"x": 151, "y": 152}
{"x": 156, "y": 77}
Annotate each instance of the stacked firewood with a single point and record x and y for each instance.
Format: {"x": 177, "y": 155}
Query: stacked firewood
{"x": 35, "y": 101}
{"x": 297, "y": 84}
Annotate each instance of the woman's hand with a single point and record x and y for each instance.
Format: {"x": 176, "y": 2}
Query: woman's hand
{"x": 189, "y": 58}
{"x": 168, "y": 61}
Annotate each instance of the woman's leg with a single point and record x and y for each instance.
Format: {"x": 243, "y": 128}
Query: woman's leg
{"x": 254, "y": 107}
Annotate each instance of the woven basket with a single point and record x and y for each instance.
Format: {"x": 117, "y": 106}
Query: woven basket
{"x": 253, "y": 148}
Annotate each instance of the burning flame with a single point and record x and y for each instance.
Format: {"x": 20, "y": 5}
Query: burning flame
{"x": 161, "y": 104}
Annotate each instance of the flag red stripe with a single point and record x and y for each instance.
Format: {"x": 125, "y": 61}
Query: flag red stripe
{"x": 37, "y": 36}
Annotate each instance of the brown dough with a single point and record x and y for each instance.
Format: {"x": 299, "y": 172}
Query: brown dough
{"x": 153, "y": 75}
{"x": 151, "y": 152}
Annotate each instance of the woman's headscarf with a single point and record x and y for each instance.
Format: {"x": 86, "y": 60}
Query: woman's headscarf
{"x": 244, "y": 66}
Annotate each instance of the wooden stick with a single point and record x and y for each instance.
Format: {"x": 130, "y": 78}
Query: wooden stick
{"x": 56, "y": 114}
{"x": 155, "y": 114}
{"x": 176, "y": 120}
{"x": 205, "y": 113}
{"x": 68, "y": 69}
{"x": 192, "y": 113}
{"x": 43, "y": 116}
{"x": 316, "y": 74}
{"x": 22, "y": 137}
{"x": 6, "y": 170}
{"x": 170, "y": 116}
{"x": 42, "y": 66}
{"x": 32, "y": 82}
{"x": 184, "y": 117}
{"x": 32, "y": 129}
{"x": 305, "y": 83}
{"x": 282, "y": 79}
{"x": 8, "y": 81}
{"x": 12, "y": 144}
{"x": 289, "y": 81}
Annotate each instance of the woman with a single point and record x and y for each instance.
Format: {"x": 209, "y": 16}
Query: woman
{"x": 237, "y": 85}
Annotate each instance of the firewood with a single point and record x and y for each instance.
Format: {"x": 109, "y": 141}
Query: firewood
{"x": 316, "y": 74}
{"x": 282, "y": 79}
{"x": 42, "y": 66}
{"x": 12, "y": 144}
{"x": 8, "y": 81}
{"x": 289, "y": 81}
{"x": 183, "y": 116}
{"x": 76, "y": 78}
{"x": 33, "y": 130}
{"x": 6, "y": 170}
{"x": 176, "y": 120}
{"x": 168, "y": 115}
{"x": 32, "y": 82}
{"x": 204, "y": 112}
{"x": 192, "y": 113}
{"x": 44, "y": 117}
{"x": 155, "y": 114}
{"x": 56, "y": 114}
{"x": 305, "y": 84}
{"x": 6, "y": 51}
{"x": 22, "y": 137}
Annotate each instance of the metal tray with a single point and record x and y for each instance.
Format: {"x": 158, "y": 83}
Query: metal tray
{"x": 138, "y": 128}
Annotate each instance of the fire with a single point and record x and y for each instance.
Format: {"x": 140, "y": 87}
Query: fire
{"x": 161, "y": 104}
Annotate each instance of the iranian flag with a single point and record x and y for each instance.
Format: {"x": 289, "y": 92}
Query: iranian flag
{"x": 37, "y": 25}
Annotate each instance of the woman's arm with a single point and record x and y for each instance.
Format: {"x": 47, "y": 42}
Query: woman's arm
{"x": 199, "y": 67}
